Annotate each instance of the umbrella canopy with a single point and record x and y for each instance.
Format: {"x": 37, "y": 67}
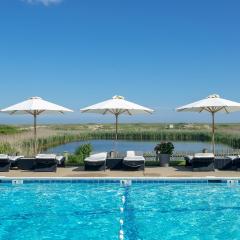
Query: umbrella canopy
{"x": 117, "y": 106}
{"x": 211, "y": 104}
{"x": 35, "y": 106}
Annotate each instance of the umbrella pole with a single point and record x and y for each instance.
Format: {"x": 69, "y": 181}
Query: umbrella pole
{"x": 213, "y": 132}
{"x": 116, "y": 127}
{"x": 35, "y": 133}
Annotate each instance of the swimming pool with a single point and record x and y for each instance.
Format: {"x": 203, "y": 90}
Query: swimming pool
{"x": 93, "y": 209}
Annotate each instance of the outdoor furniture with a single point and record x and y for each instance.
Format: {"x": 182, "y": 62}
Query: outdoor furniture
{"x": 203, "y": 162}
{"x": 96, "y": 162}
{"x": 188, "y": 160}
{"x": 13, "y": 160}
{"x": 25, "y": 163}
{"x": 5, "y": 163}
{"x": 117, "y": 106}
{"x": 45, "y": 163}
{"x": 61, "y": 161}
{"x": 114, "y": 160}
{"x": 133, "y": 161}
{"x": 35, "y": 106}
{"x": 235, "y": 162}
{"x": 212, "y": 104}
{"x": 223, "y": 163}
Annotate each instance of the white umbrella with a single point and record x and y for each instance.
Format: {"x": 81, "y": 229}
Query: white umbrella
{"x": 117, "y": 106}
{"x": 211, "y": 104}
{"x": 35, "y": 106}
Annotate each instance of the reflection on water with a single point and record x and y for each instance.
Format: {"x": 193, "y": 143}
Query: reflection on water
{"x": 143, "y": 146}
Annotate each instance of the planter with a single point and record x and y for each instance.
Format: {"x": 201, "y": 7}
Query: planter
{"x": 164, "y": 160}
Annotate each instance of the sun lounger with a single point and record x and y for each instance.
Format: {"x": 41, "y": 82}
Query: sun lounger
{"x": 133, "y": 161}
{"x": 60, "y": 159}
{"x": 202, "y": 162}
{"x": 45, "y": 163}
{"x": 188, "y": 160}
{"x": 5, "y": 163}
{"x": 14, "y": 159}
{"x": 235, "y": 162}
{"x": 96, "y": 162}
{"x": 224, "y": 163}
{"x": 25, "y": 163}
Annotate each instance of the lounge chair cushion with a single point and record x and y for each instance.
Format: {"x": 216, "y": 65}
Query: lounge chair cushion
{"x": 203, "y": 155}
{"x": 4, "y": 156}
{"x": 131, "y": 156}
{"x": 46, "y": 156}
{"x": 232, "y": 157}
{"x": 130, "y": 153}
{"x": 135, "y": 158}
{"x": 96, "y": 157}
{"x": 188, "y": 157}
{"x": 15, "y": 158}
{"x": 60, "y": 159}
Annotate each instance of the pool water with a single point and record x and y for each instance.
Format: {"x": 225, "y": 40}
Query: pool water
{"x": 39, "y": 211}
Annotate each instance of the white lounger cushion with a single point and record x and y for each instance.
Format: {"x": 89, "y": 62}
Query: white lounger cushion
{"x": 46, "y": 156}
{"x": 4, "y": 156}
{"x": 135, "y": 158}
{"x": 189, "y": 157}
{"x": 131, "y": 153}
{"x": 203, "y": 155}
{"x": 232, "y": 157}
{"x": 131, "y": 156}
{"x": 14, "y": 158}
{"x": 97, "y": 157}
{"x": 60, "y": 158}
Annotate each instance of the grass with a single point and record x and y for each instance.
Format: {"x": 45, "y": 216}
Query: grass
{"x": 7, "y": 129}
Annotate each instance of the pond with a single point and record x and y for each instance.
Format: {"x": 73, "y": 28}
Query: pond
{"x": 143, "y": 146}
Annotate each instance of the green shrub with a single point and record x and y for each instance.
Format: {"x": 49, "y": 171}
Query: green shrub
{"x": 164, "y": 148}
{"x": 75, "y": 160}
{"x": 172, "y": 163}
{"x": 84, "y": 150}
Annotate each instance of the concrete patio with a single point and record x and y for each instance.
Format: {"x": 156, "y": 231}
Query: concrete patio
{"x": 149, "y": 172}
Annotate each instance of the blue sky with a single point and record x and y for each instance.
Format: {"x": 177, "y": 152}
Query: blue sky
{"x": 161, "y": 54}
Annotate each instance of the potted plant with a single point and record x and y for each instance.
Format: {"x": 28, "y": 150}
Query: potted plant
{"x": 164, "y": 150}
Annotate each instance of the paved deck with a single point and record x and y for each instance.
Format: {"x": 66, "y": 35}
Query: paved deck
{"x": 149, "y": 172}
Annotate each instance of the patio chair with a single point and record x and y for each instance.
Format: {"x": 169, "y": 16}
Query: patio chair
{"x": 60, "y": 159}
{"x": 5, "y": 163}
{"x": 96, "y": 162}
{"x": 188, "y": 160}
{"x": 25, "y": 163}
{"x": 133, "y": 161}
{"x": 224, "y": 162}
{"x": 203, "y": 162}
{"x": 14, "y": 159}
{"x": 235, "y": 162}
{"x": 45, "y": 163}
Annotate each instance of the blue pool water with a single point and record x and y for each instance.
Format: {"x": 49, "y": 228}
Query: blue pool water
{"x": 92, "y": 211}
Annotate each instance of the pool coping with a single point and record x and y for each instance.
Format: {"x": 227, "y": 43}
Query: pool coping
{"x": 166, "y": 180}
